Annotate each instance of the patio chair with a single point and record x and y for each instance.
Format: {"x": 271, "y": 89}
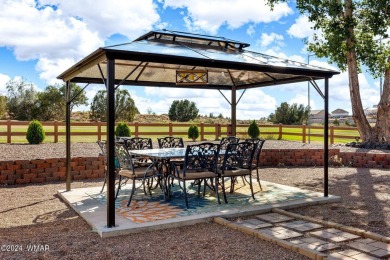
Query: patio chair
{"x": 237, "y": 162}
{"x": 139, "y": 143}
{"x": 129, "y": 171}
{"x": 102, "y": 145}
{"x": 170, "y": 142}
{"x": 256, "y": 156}
{"x": 200, "y": 164}
{"x": 228, "y": 140}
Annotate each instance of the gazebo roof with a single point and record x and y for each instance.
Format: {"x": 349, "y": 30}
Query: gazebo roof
{"x": 176, "y": 59}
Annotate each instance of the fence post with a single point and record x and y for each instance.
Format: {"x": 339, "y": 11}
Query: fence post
{"x": 55, "y": 131}
{"x": 201, "y": 132}
{"x": 170, "y": 130}
{"x": 136, "y": 129}
{"x": 99, "y": 131}
{"x": 9, "y": 131}
{"x": 304, "y": 134}
{"x": 331, "y": 134}
{"x": 280, "y": 132}
{"x": 216, "y": 131}
{"x": 229, "y": 130}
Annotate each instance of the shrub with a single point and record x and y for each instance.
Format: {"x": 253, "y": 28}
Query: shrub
{"x": 35, "y": 133}
{"x": 253, "y": 130}
{"x": 193, "y": 132}
{"x": 336, "y": 122}
{"x": 122, "y": 129}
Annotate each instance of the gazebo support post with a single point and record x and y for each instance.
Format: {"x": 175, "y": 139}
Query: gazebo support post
{"x": 326, "y": 137}
{"x": 234, "y": 111}
{"x": 67, "y": 120}
{"x": 110, "y": 174}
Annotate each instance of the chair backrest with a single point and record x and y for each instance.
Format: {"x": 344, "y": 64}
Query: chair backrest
{"x": 201, "y": 157}
{"x": 102, "y": 146}
{"x": 259, "y": 148}
{"x": 170, "y": 142}
{"x": 239, "y": 155}
{"x": 228, "y": 140}
{"x": 124, "y": 158}
{"x": 138, "y": 143}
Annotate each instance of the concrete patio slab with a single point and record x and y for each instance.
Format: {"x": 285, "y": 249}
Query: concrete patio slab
{"x": 147, "y": 213}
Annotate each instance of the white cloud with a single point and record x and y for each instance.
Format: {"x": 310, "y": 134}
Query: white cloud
{"x": 251, "y": 30}
{"x": 130, "y": 18}
{"x": 267, "y": 39}
{"x": 303, "y": 99}
{"x": 59, "y": 36}
{"x": 302, "y": 28}
{"x": 210, "y": 15}
{"x": 3, "y": 81}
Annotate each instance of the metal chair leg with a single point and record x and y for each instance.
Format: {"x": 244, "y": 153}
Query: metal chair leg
{"x": 132, "y": 193}
{"x": 104, "y": 184}
{"x": 119, "y": 186}
{"x": 258, "y": 179}
{"x": 185, "y": 193}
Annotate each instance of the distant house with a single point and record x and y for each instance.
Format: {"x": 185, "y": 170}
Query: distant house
{"x": 371, "y": 111}
{"x": 340, "y": 113}
{"x": 317, "y": 114}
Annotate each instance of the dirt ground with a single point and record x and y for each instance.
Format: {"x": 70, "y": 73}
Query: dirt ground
{"x": 33, "y": 215}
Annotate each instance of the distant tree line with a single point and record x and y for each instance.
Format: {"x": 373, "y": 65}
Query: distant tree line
{"x": 24, "y": 102}
{"x": 290, "y": 114}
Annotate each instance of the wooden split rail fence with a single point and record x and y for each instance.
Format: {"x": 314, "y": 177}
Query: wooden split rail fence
{"x": 10, "y": 130}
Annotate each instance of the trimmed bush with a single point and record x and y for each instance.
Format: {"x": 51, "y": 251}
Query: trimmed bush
{"x": 35, "y": 133}
{"x": 122, "y": 129}
{"x": 253, "y": 130}
{"x": 193, "y": 132}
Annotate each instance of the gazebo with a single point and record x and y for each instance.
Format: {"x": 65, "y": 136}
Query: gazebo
{"x": 174, "y": 59}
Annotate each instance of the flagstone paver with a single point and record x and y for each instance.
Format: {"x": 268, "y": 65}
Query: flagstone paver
{"x": 334, "y": 235}
{"x": 255, "y": 223}
{"x": 359, "y": 256}
{"x": 274, "y": 217}
{"x": 280, "y": 232}
{"x": 301, "y": 225}
{"x": 325, "y": 243}
{"x": 376, "y": 248}
{"x": 315, "y": 244}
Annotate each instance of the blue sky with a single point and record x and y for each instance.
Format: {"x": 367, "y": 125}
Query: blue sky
{"x": 41, "y": 39}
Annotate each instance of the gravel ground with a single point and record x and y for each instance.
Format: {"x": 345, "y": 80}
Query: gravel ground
{"x": 34, "y": 215}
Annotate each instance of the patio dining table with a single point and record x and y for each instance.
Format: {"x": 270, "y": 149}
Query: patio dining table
{"x": 161, "y": 159}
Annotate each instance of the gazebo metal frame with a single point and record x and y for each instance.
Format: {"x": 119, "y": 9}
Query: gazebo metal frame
{"x": 183, "y": 60}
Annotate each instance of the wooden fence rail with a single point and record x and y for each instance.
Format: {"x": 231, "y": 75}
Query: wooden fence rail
{"x": 9, "y": 129}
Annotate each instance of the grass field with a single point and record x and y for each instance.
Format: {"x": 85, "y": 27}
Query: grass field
{"x": 293, "y": 133}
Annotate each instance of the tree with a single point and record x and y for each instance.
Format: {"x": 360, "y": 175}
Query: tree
{"x": 351, "y": 33}
{"x": 183, "y": 111}
{"x": 51, "y": 102}
{"x": 79, "y": 100}
{"x": 21, "y": 100}
{"x": 253, "y": 130}
{"x": 3, "y": 106}
{"x": 288, "y": 115}
{"x": 125, "y": 108}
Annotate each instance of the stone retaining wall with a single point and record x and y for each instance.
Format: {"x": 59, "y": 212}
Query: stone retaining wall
{"x": 47, "y": 170}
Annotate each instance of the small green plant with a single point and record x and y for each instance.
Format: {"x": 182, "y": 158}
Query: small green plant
{"x": 253, "y": 130}
{"x": 122, "y": 129}
{"x": 336, "y": 122}
{"x": 35, "y": 133}
{"x": 193, "y": 132}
